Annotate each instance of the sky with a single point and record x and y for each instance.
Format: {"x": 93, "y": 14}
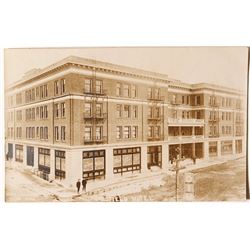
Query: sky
{"x": 226, "y": 66}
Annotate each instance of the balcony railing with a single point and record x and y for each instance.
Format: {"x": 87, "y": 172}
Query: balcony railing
{"x": 103, "y": 92}
{"x": 182, "y": 121}
{"x": 95, "y": 115}
{"x": 95, "y": 140}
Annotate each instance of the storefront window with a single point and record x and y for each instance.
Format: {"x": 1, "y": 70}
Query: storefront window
{"x": 127, "y": 160}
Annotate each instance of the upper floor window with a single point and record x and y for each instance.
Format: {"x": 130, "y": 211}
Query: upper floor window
{"x": 157, "y": 93}
{"x": 198, "y": 100}
{"x": 98, "y": 109}
{"x": 57, "y": 110}
{"x": 157, "y": 112}
{"x": 133, "y": 91}
{"x": 118, "y": 132}
{"x": 150, "y": 112}
{"x": 118, "y": 110}
{"x": 63, "y": 133}
{"x": 88, "y": 86}
{"x": 135, "y": 111}
{"x": 87, "y": 108}
{"x": 150, "y": 93}
{"x": 150, "y": 131}
{"x": 134, "y": 132}
{"x": 118, "y": 89}
{"x": 88, "y": 133}
{"x": 98, "y": 132}
{"x": 126, "y": 90}
{"x": 63, "y": 86}
{"x": 183, "y": 99}
{"x": 174, "y": 98}
{"x": 98, "y": 86}
{"x": 56, "y": 87}
{"x": 126, "y": 132}
{"x": 126, "y": 111}
{"x": 57, "y": 133}
{"x": 63, "y": 109}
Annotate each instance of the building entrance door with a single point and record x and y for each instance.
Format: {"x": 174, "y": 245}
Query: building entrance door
{"x": 30, "y": 156}
{"x": 10, "y": 150}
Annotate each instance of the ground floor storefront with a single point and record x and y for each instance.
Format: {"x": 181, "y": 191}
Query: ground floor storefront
{"x": 67, "y": 166}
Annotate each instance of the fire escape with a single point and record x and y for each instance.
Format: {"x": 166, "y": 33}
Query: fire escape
{"x": 97, "y": 116}
{"x": 155, "y": 117}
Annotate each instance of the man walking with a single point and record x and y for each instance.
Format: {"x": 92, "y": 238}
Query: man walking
{"x": 78, "y": 185}
{"x": 84, "y": 184}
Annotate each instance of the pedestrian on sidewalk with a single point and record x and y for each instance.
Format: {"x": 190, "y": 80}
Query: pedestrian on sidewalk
{"x": 78, "y": 185}
{"x": 84, "y": 184}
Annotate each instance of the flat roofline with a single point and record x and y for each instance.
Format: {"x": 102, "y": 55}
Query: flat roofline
{"x": 119, "y": 68}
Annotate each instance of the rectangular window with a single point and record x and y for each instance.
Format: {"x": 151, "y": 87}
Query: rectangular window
{"x": 118, "y": 89}
{"x": 157, "y": 131}
{"x": 41, "y": 133}
{"x": 93, "y": 164}
{"x": 63, "y": 133}
{"x": 150, "y": 93}
{"x": 87, "y": 86}
{"x": 133, "y": 91}
{"x": 37, "y": 132}
{"x": 127, "y": 160}
{"x": 118, "y": 110}
{"x": 118, "y": 132}
{"x": 150, "y": 112}
{"x": 56, "y": 87}
{"x": 41, "y": 113}
{"x": 46, "y": 133}
{"x": 150, "y": 131}
{"x": 98, "y": 109}
{"x": 59, "y": 164}
{"x": 57, "y": 133}
{"x": 45, "y": 111}
{"x": 37, "y": 92}
{"x": 63, "y": 86}
{"x": 45, "y": 90}
{"x": 98, "y": 133}
{"x": 183, "y": 99}
{"x": 37, "y": 112}
{"x": 87, "y": 109}
{"x": 134, "y": 132}
{"x": 157, "y": 112}
{"x": 98, "y": 86}
{"x": 157, "y": 93}
{"x": 44, "y": 160}
{"x": 126, "y": 132}
{"x": 135, "y": 111}
{"x": 63, "y": 109}
{"x": 57, "y": 110}
{"x": 126, "y": 90}
{"x": 126, "y": 111}
{"x": 88, "y": 133}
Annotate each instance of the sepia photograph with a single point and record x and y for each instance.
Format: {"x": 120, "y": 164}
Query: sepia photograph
{"x": 126, "y": 124}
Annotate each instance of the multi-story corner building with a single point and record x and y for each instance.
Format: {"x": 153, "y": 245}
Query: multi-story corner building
{"x": 82, "y": 118}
